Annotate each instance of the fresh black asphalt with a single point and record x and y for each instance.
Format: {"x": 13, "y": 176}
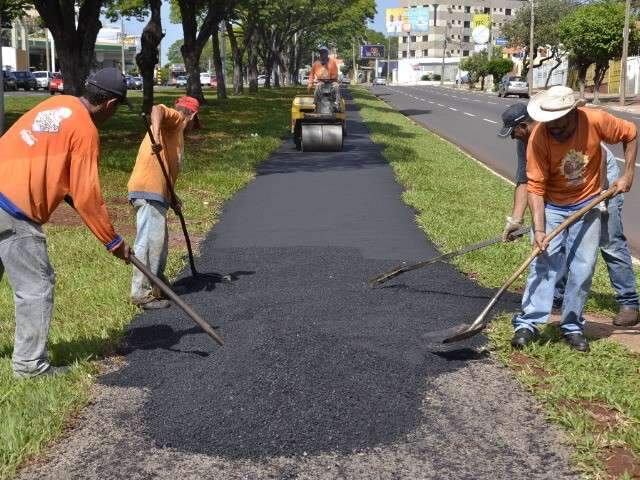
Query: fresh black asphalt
{"x": 315, "y": 361}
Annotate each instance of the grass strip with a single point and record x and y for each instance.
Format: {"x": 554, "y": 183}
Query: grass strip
{"x": 459, "y": 202}
{"x": 92, "y": 287}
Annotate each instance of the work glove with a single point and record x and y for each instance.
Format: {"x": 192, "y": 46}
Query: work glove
{"x": 510, "y": 228}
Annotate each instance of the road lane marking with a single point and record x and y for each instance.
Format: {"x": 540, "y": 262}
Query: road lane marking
{"x": 454, "y": 109}
{"x": 492, "y": 103}
{"x": 470, "y": 114}
{"x": 431, "y": 102}
{"x": 440, "y": 105}
{"x": 490, "y": 121}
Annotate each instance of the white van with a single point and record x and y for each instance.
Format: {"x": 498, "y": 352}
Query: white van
{"x": 205, "y": 79}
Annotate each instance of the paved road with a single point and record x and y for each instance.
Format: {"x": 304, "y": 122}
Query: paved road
{"x": 321, "y": 377}
{"x": 471, "y": 120}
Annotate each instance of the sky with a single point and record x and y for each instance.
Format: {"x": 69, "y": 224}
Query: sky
{"x": 174, "y": 31}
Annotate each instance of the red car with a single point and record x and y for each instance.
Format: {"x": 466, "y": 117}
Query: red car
{"x": 56, "y": 84}
{"x": 213, "y": 81}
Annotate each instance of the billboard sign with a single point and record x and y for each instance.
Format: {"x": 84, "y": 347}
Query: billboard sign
{"x": 501, "y": 42}
{"x": 483, "y": 19}
{"x": 394, "y": 19}
{"x": 418, "y": 19}
{"x": 372, "y": 51}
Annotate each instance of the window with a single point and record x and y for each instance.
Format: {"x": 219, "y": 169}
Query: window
{"x": 467, "y": 24}
{"x": 466, "y": 38}
{"x": 507, "y": 11}
{"x": 404, "y": 54}
{"x": 413, "y": 38}
{"x": 412, "y": 53}
{"x": 468, "y": 10}
{"x": 425, "y": 38}
{"x": 425, "y": 53}
{"x": 465, "y": 53}
{"x": 487, "y": 9}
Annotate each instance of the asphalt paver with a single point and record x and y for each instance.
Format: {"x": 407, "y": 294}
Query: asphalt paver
{"x": 320, "y": 376}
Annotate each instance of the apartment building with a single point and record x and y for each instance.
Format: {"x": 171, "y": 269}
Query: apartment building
{"x": 455, "y": 18}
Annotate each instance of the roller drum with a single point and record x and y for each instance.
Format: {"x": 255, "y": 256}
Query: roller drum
{"x": 321, "y": 138}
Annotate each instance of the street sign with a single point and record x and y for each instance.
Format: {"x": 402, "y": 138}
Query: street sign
{"x": 501, "y": 42}
{"x": 372, "y": 51}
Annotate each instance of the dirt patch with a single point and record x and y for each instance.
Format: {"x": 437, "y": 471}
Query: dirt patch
{"x": 604, "y": 417}
{"x": 621, "y": 460}
{"x": 601, "y": 326}
{"x": 525, "y": 363}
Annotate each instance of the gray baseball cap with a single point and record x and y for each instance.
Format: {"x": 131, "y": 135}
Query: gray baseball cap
{"x": 111, "y": 80}
{"x": 512, "y": 116}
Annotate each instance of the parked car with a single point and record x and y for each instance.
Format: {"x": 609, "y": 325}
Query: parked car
{"x": 511, "y": 85}
{"x": 26, "y": 80}
{"x": 380, "y": 81}
{"x": 133, "y": 83}
{"x": 56, "y": 85}
{"x": 43, "y": 78}
{"x": 181, "y": 81}
{"x": 10, "y": 82}
{"x": 262, "y": 80}
{"x": 138, "y": 83}
{"x": 205, "y": 79}
{"x": 213, "y": 83}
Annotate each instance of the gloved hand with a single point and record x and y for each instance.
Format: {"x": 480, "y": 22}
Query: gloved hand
{"x": 512, "y": 226}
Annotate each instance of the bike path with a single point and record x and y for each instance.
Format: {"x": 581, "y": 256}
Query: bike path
{"x": 320, "y": 376}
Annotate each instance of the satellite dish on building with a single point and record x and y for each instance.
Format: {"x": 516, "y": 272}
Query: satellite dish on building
{"x": 480, "y": 35}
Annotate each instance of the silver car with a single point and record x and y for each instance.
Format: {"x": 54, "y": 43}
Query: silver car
{"x": 511, "y": 85}
{"x": 43, "y": 78}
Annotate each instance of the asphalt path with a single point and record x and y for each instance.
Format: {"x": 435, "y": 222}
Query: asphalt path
{"x": 471, "y": 120}
{"x": 320, "y": 376}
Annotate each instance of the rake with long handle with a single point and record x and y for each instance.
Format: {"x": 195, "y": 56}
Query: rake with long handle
{"x": 479, "y": 324}
{"x": 384, "y": 277}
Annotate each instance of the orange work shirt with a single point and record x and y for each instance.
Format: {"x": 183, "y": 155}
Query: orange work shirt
{"x": 50, "y": 152}
{"x": 570, "y": 172}
{"x": 147, "y": 180}
{"x": 320, "y": 71}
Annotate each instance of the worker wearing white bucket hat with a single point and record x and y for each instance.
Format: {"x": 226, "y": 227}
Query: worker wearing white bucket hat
{"x": 564, "y": 171}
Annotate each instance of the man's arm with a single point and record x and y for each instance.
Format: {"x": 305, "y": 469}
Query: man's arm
{"x": 312, "y": 75}
{"x": 536, "y": 204}
{"x": 624, "y": 182}
{"x": 157, "y": 117}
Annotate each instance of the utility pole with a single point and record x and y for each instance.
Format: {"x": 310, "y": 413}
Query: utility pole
{"x": 46, "y": 49}
{"x": 531, "y": 51}
{"x": 444, "y": 51}
{"x": 354, "y": 80}
{"x": 388, "y": 58}
{"x": 122, "y": 44}
{"x": 625, "y": 52}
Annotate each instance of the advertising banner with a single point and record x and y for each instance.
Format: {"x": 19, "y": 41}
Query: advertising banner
{"x": 372, "y": 51}
{"x": 418, "y": 19}
{"x": 394, "y": 19}
{"x": 483, "y": 19}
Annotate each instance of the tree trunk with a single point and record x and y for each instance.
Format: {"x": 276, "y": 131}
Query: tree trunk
{"x": 582, "y": 79}
{"x": 75, "y": 44}
{"x": 251, "y": 42}
{"x": 217, "y": 64}
{"x": 147, "y": 59}
{"x": 558, "y": 63}
{"x": 194, "y": 42}
{"x": 601, "y": 70}
{"x": 238, "y": 67}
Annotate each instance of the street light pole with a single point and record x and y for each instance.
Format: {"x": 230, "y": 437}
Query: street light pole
{"x": 625, "y": 53}
{"x": 122, "y": 44}
{"x": 388, "y": 57}
{"x": 531, "y": 48}
{"x": 444, "y": 51}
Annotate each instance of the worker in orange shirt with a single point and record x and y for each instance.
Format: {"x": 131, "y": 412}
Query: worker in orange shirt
{"x": 150, "y": 195}
{"x": 565, "y": 172}
{"x": 324, "y": 68}
{"x": 51, "y": 154}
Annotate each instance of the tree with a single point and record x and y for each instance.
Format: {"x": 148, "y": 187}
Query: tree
{"x": 546, "y": 32}
{"x": 477, "y": 65}
{"x": 499, "y": 67}
{"x": 8, "y": 11}
{"x": 593, "y": 35}
{"x": 75, "y": 41}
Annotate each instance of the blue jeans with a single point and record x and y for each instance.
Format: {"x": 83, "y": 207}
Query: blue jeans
{"x": 151, "y": 247}
{"x": 574, "y": 250}
{"x": 615, "y": 253}
{"x": 23, "y": 255}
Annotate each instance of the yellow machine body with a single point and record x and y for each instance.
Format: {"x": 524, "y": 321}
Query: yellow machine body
{"x": 321, "y": 134}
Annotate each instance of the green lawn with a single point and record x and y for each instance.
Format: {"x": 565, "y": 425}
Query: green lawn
{"x": 91, "y": 308}
{"x": 459, "y": 202}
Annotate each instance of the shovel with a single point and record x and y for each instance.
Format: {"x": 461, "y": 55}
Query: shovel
{"x": 465, "y": 331}
{"x": 174, "y": 198}
{"x": 383, "y": 277}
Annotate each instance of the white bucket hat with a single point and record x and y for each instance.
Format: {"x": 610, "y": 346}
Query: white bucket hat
{"x": 552, "y": 104}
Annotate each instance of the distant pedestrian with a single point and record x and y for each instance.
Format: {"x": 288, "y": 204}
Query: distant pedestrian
{"x": 150, "y": 195}
{"x": 51, "y": 153}
{"x": 564, "y": 171}
{"x": 613, "y": 244}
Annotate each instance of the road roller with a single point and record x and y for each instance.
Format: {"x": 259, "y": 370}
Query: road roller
{"x": 318, "y": 126}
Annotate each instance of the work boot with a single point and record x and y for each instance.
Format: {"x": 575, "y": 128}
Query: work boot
{"x": 49, "y": 372}
{"x": 523, "y": 337}
{"x": 156, "y": 304}
{"x": 577, "y": 341}
{"x": 627, "y": 316}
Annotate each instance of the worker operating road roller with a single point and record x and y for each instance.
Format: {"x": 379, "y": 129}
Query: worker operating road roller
{"x": 324, "y": 70}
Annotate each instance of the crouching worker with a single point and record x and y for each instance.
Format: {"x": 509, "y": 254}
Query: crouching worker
{"x": 51, "y": 153}
{"x": 150, "y": 195}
